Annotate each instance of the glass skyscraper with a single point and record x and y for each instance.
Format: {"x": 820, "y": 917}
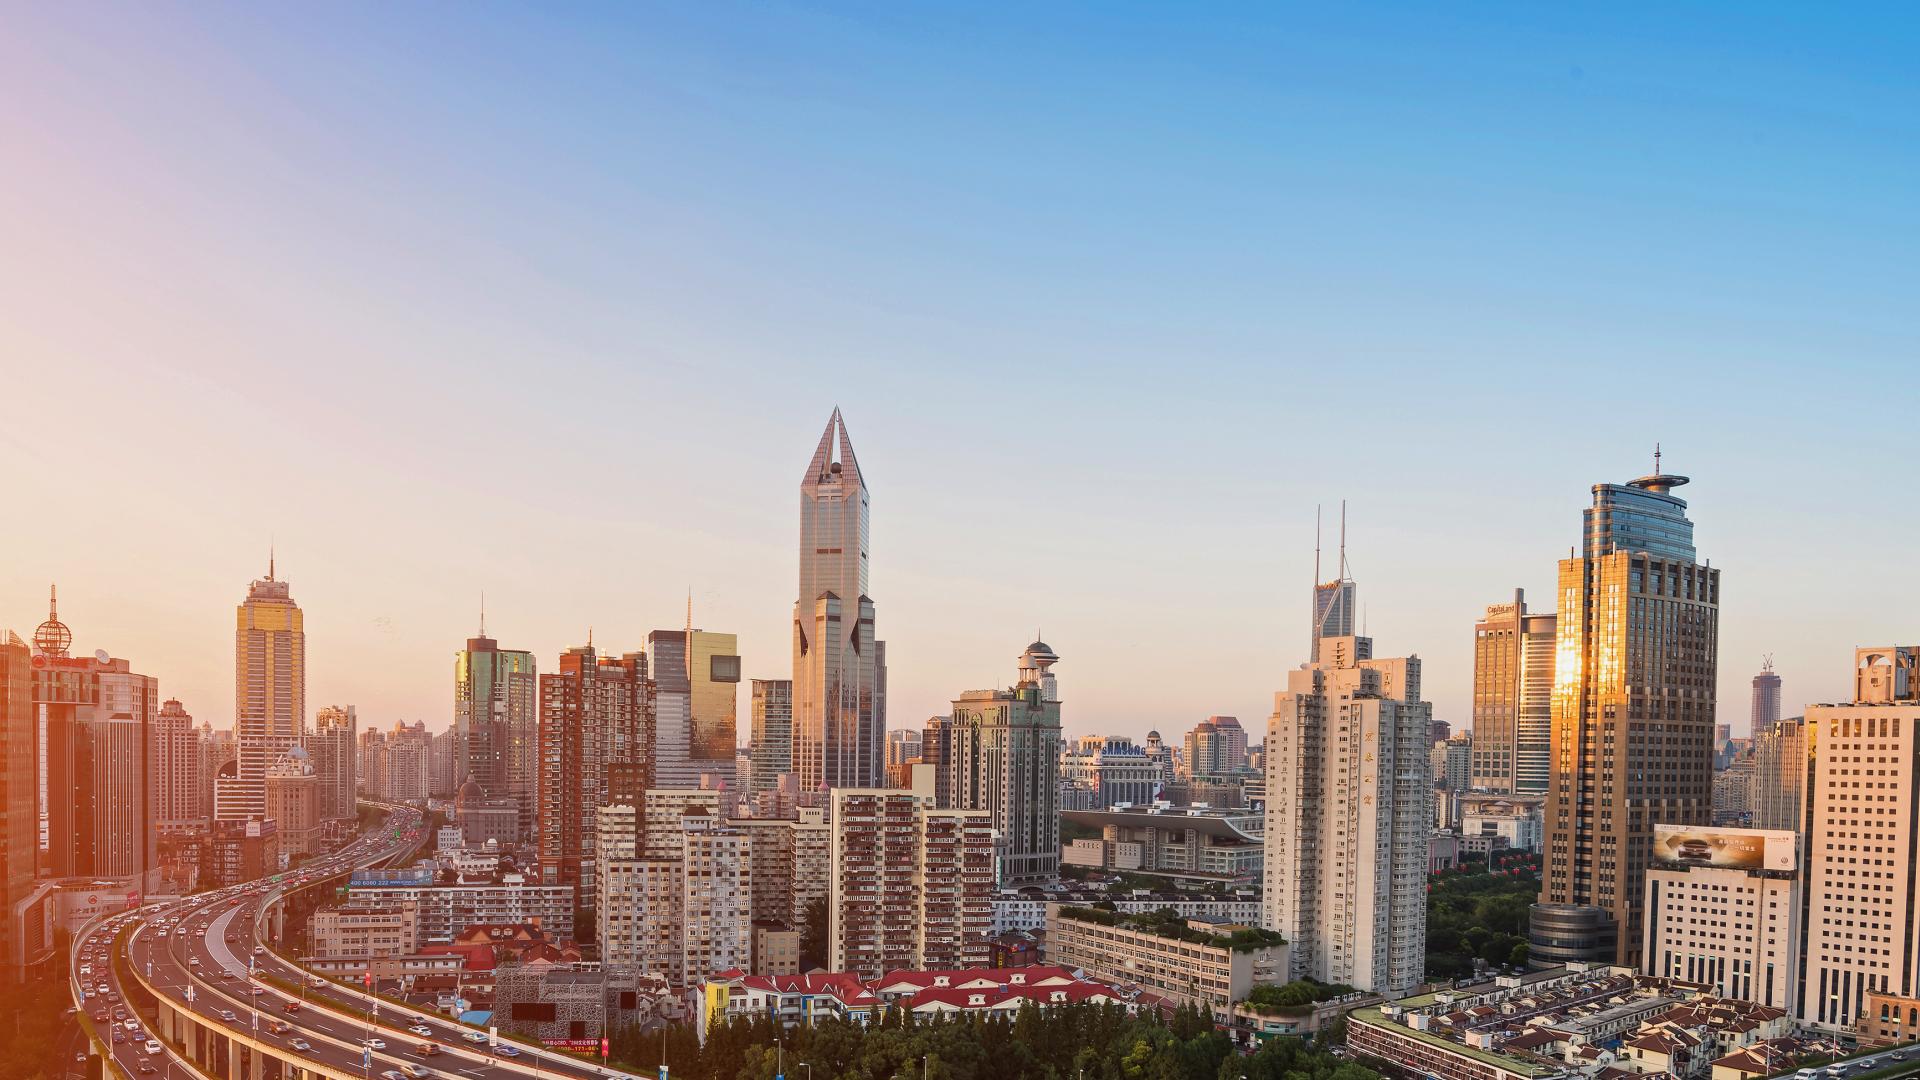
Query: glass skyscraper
{"x": 839, "y": 710}
{"x": 1633, "y": 705}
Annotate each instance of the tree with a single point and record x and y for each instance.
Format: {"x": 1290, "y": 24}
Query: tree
{"x": 813, "y": 935}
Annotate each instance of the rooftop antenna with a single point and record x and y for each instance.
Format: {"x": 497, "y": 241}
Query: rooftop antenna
{"x": 483, "y": 613}
{"x": 1767, "y": 662}
{"x": 270, "y": 554}
{"x": 1343, "y": 539}
{"x": 1656, "y": 459}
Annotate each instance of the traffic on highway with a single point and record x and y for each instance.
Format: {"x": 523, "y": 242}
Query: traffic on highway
{"x": 205, "y": 955}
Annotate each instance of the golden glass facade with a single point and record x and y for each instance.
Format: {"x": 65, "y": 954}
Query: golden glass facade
{"x": 1633, "y": 701}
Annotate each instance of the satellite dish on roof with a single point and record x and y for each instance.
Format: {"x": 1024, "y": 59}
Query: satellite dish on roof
{"x": 101, "y": 655}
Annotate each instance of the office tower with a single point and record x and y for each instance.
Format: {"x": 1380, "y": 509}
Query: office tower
{"x": 1863, "y": 904}
{"x": 293, "y": 803}
{"x": 96, "y": 727}
{"x": 1781, "y": 752}
{"x": 1333, "y": 601}
{"x": 1439, "y": 731}
{"x": 1348, "y": 818}
{"x": 1766, "y": 697}
{"x": 839, "y": 718}
{"x": 1512, "y": 699}
{"x": 772, "y": 732}
{"x": 19, "y": 798}
{"x": 911, "y": 883}
{"x": 1633, "y": 705}
{"x": 1723, "y": 908}
{"x": 1217, "y": 746}
{"x": 595, "y": 737}
{"x": 176, "y": 780}
{"x": 1003, "y": 756}
{"x": 330, "y": 749}
{"x": 269, "y": 691}
{"x": 496, "y": 713}
{"x": 698, "y": 679}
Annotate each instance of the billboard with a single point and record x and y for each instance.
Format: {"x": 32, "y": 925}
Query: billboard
{"x": 1724, "y": 849}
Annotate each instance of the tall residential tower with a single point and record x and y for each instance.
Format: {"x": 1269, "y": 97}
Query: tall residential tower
{"x": 1349, "y": 809}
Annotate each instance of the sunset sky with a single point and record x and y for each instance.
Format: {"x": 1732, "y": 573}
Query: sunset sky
{"x": 554, "y": 303}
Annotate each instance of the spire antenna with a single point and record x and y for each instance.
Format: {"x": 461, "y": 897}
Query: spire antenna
{"x": 1316, "y": 545}
{"x": 1343, "y": 539}
{"x": 1656, "y": 459}
{"x": 270, "y": 558}
{"x": 483, "y": 613}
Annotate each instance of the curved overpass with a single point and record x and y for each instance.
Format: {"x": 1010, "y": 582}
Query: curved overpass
{"x": 218, "y": 1019}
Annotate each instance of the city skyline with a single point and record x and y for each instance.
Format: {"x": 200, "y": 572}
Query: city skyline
{"x": 1163, "y": 270}
{"x": 1734, "y": 680}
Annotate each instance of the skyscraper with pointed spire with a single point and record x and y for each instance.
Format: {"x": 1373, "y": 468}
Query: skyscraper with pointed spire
{"x": 269, "y": 692}
{"x": 839, "y": 705}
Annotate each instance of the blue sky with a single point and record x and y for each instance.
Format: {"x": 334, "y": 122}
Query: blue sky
{"x": 554, "y": 303}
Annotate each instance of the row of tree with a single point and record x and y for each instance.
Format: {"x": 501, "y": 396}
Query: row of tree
{"x": 1075, "y": 1042}
{"x": 1479, "y": 913}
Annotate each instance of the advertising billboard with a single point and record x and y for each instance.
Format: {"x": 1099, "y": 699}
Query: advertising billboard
{"x": 1724, "y": 849}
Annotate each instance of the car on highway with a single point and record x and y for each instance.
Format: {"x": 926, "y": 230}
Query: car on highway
{"x": 393, "y": 1074}
{"x": 227, "y": 1015}
{"x": 152, "y": 1046}
{"x": 290, "y": 1007}
{"x": 421, "y": 1029}
{"x": 506, "y": 1051}
{"x": 474, "y": 1036}
{"x": 416, "y": 1072}
{"x": 141, "y": 1064}
{"x": 375, "y": 1044}
{"x": 301, "y": 1045}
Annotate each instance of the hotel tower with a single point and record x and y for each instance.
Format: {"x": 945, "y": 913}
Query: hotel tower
{"x": 1633, "y": 715}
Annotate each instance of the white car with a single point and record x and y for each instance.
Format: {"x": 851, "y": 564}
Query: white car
{"x": 375, "y": 1044}
{"x": 421, "y": 1029}
{"x": 153, "y": 1046}
{"x": 474, "y": 1036}
{"x": 301, "y": 1045}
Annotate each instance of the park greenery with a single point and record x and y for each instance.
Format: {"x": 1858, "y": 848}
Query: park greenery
{"x": 1299, "y": 995}
{"x": 1168, "y": 923}
{"x": 1478, "y": 912}
{"x": 1074, "y": 1042}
